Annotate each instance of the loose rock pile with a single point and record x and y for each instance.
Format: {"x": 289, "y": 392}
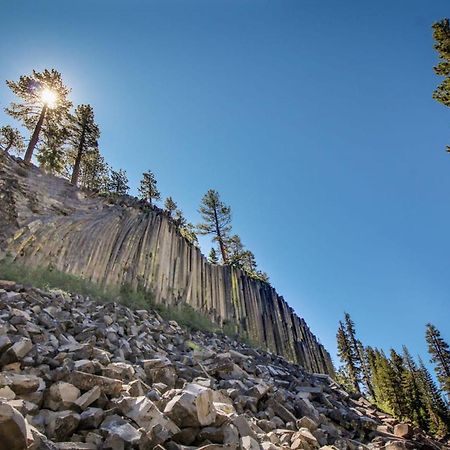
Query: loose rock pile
{"x": 80, "y": 375}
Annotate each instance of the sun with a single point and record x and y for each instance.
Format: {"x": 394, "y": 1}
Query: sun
{"x": 49, "y": 98}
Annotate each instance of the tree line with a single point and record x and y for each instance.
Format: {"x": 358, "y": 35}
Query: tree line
{"x": 65, "y": 142}
{"x": 395, "y": 382}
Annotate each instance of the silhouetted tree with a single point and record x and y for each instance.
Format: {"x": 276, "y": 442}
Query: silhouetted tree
{"x": 147, "y": 189}
{"x": 83, "y": 137}
{"x": 440, "y": 356}
{"x": 216, "y": 220}
{"x": 11, "y": 139}
{"x": 118, "y": 182}
{"x": 44, "y": 104}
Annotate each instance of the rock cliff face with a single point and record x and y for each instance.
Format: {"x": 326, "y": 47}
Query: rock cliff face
{"x": 46, "y": 221}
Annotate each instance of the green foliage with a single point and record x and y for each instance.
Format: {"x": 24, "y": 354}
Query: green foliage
{"x": 83, "y": 138}
{"x": 348, "y": 357}
{"x": 11, "y": 139}
{"x": 188, "y": 317}
{"x": 43, "y": 104}
{"x": 52, "y": 155}
{"x": 170, "y": 206}
{"x": 212, "y": 257}
{"x": 441, "y": 34}
{"x": 186, "y": 229}
{"x": 216, "y": 220}
{"x": 440, "y": 355}
{"x": 147, "y": 189}
{"x": 94, "y": 172}
{"x": 118, "y": 182}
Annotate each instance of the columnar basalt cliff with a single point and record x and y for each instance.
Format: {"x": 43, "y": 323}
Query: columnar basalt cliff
{"x": 46, "y": 221}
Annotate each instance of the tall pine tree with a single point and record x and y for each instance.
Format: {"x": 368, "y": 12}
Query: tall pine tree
{"x": 147, "y": 189}
{"x": 83, "y": 137}
{"x": 44, "y": 104}
{"x": 441, "y": 34}
{"x": 440, "y": 356}
{"x": 347, "y": 356}
{"x": 216, "y": 220}
{"x": 170, "y": 206}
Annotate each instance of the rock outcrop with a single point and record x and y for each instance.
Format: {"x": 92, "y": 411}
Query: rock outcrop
{"x": 83, "y": 382}
{"x": 46, "y": 221}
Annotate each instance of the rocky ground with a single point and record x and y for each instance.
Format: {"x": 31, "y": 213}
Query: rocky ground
{"x": 76, "y": 374}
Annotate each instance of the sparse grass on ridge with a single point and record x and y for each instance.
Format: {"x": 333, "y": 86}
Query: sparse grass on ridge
{"x": 50, "y": 278}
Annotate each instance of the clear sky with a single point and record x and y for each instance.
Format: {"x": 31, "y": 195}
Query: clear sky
{"x": 314, "y": 120}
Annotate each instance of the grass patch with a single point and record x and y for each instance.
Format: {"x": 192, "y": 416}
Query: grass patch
{"x": 49, "y": 278}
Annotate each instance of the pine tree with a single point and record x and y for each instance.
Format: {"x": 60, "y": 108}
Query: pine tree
{"x": 118, "y": 182}
{"x": 44, "y": 104}
{"x": 365, "y": 369}
{"x": 212, "y": 257}
{"x": 170, "y": 206}
{"x": 437, "y": 413}
{"x": 347, "y": 356}
{"x": 52, "y": 154}
{"x": 94, "y": 172}
{"x": 441, "y": 34}
{"x": 440, "y": 356}
{"x": 414, "y": 405}
{"x": 398, "y": 398}
{"x": 11, "y": 139}
{"x": 148, "y": 190}
{"x": 187, "y": 230}
{"x": 216, "y": 220}
{"x": 83, "y": 136}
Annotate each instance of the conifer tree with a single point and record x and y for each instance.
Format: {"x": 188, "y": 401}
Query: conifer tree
{"x": 437, "y": 413}
{"x": 212, "y": 257}
{"x": 365, "y": 368}
{"x": 83, "y": 136}
{"x": 347, "y": 356}
{"x": 216, "y": 220}
{"x": 170, "y": 206}
{"x": 44, "y": 103}
{"x": 118, "y": 182}
{"x": 398, "y": 398}
{"x": 52, "y": 154}
{"x": 11, "y": 139}
{"x": 413, "y": 396}
{"x": 440, "y": 356}
{"x": 187, "y": 230}
{"x": 441, "y": 34}
{"x": 147, "y": 189}
{"x": 94, "y": 172}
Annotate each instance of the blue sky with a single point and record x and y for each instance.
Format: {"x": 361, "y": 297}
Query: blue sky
{"x": 314, "y": 120}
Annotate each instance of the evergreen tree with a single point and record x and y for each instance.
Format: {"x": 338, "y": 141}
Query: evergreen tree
{"x": 10, "y": 138}
{"x": 94, "y": 172}
{"x": 83, "y": 136}
{"x": 51, "y": 154}
{"x": 118, "y": 182}
{"x": 365, "y": 368}
{"x": 148, "y": 190}
{"x": 170, "y": 206}
{"x": 414, "y": 405}
{"x": 212, "y": 257}
{"x": 440, "y": 356}
{"x": 187, "y": 230}
{"x": 437, "y": 413}
{"x": 398, "y": 399}
{"x": 44, "y": 104}
{"x": 216, "y": 220}
{"x": 347, "y": 356}
{"x": 441, "y": 34}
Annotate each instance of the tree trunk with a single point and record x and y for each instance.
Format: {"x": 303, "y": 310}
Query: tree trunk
{"x": 219, "y": 238}
{"x": 35, "y": 137}
{"x": 77, "y": 165}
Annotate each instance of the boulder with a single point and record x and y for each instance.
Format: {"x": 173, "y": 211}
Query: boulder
{"x": 14, "y": 432}
{"x": 193, "y": 407}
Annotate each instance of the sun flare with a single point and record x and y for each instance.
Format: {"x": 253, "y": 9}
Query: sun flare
{"x": 49, "y": 98}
